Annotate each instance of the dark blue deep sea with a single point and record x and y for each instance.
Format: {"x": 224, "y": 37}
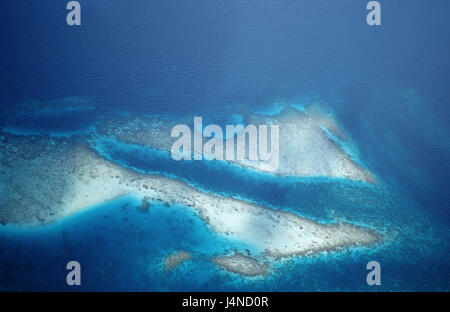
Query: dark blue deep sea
{"x": 388, "y": 87}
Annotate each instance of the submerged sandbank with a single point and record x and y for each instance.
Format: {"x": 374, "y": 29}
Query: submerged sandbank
{"x": 305, "y": 146}
{"x": 44, "y": 179}
{"x": 242, "y": 265}
{"x": 176, "y": 258}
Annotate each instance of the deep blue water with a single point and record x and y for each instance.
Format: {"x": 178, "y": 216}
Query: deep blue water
{"x": 387, "y": 86}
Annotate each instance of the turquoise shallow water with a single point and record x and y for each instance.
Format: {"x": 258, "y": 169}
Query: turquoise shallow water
{"x": 122, "y": 248}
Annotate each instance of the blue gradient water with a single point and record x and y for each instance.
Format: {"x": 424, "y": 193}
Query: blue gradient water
{"x": 387, "y": 86}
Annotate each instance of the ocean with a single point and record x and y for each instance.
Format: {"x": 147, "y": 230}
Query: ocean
{"x": 387, "y": 86}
